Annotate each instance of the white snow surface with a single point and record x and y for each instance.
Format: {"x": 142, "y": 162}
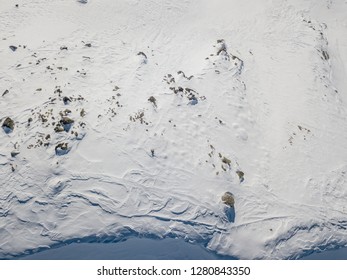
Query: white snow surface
{"x": 259, "y": 83}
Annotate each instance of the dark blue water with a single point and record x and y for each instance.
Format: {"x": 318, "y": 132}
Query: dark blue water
{"x": 150, "y": 249}
{"x": 338, "y": 254}
{"x": 130, "y": 249}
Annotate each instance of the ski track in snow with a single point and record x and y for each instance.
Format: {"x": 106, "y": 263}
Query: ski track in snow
{"x": 260, "y": 85}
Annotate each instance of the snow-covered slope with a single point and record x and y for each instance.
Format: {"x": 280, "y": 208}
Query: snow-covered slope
{"x": 135, "y": 117}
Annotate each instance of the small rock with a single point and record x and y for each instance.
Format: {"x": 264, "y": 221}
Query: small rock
{"x": 241, "y": 175}
{"x": 228, "y": 199}
{"x": 325, "y": 55}
{"x": 58, "y": 129}
{"x": 67, "y": 112}
{"x": 63, "y": 48}
{"x": 153, "y": 100}
{"x": 193, "y": 101}
{"x": 221, "y": 47}
{"x": 14, "y": 153}
{"x": 66, "y": 120}
{"x": 61, "y": 149}
{"x": 143, "y": 54}
{"x": 5, "y": 92}
{"x": 226, "y": 160}
{"x": 66, "y": 100}
{"x": 82, "y": 113}
{"x": 8, "y": 125}
{"x": 13, "y": 48}
{"x": 143, "y": 57}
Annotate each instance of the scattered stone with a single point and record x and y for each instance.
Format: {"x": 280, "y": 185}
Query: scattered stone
{"x": 184, "y": 75}
{"x": 61, "y": 149}
{"x": 221, "y": 48}
{"x": 82, "y": 113}
{"x": 5, "y": 92}
{"x": 8, "y": 125}
{"x": 67, "y": 112}
{"x": 228, "y": 199}
{"x": 13, "y": 48}
{"x": 63, "y": 48}
{"x": 58, "y": 129}
{"x": 66, "y": 120}
{"x": 89, "y": 45}
{"x": 143, "y": 54}
{"x": 59, "y": 91}
{"x": 325, "y": 55}
{"x": 180, "y": 72}
{"x": 153, "y": 100}
{"x": 14, "y": 153}
{"x": 139, "y": 116}
{"x": 43, "y": 118}
{"x": 241, "y": 175}
{"x": 192, "y": 100}
{"x": 226, "y": 160}
{"x": 66, "y": 100}
{"x": 143, "y": 57}
{"x": 152, "y": 152}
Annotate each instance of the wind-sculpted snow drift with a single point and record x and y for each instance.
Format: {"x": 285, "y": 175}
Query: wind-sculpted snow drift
{"x": 134, "y": 117}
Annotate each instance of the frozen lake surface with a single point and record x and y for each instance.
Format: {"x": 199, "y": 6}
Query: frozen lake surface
{"x": 130, "y": 249}
{"x": 338, "y": 254}
{"x": 150, "y": 249}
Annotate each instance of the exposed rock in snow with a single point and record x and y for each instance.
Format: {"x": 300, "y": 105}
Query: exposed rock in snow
{"x": 13, "y": 48}
{"x": 8, "y": 125}
{"x": 61, "y": 149}
{"x": 228, "y": 199}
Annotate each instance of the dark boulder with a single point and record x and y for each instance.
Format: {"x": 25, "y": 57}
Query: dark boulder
{"x": 228, "y": 199}
{"x": 61, "y": 149}
{"x": 8, "y": 125}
